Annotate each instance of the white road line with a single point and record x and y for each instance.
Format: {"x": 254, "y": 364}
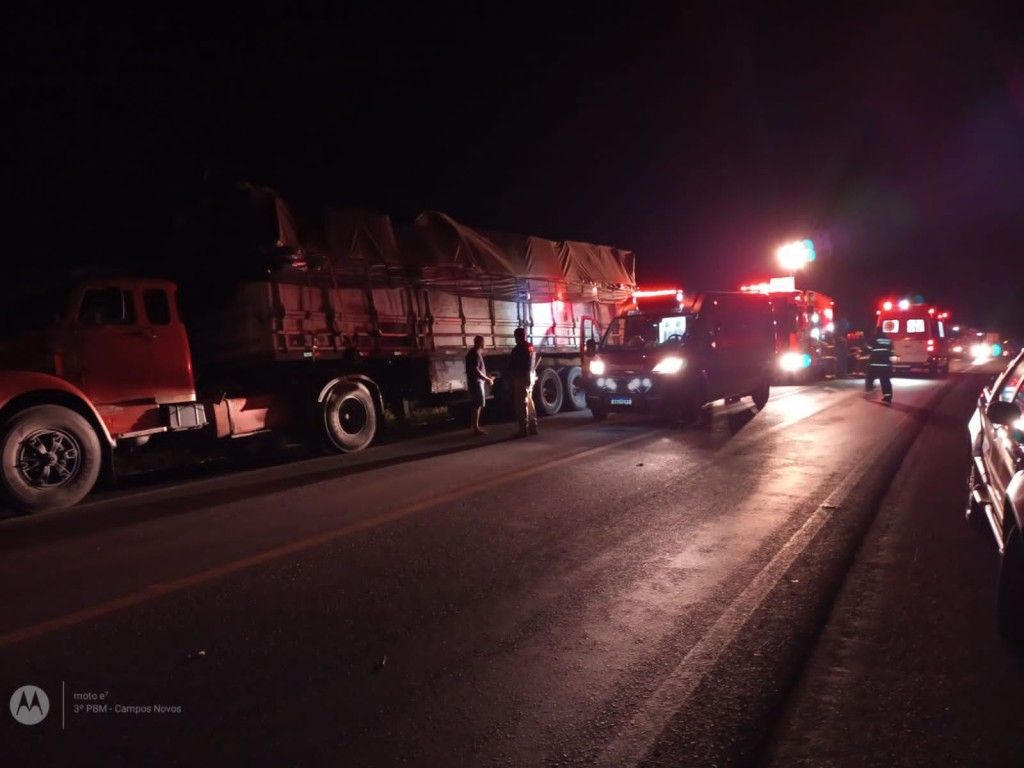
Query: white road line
{"x": 637, "y": 738}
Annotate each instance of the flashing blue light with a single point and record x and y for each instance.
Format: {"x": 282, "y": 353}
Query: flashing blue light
{"x": 805, "y": 361}
{"x": 997, "y": 350}
{"x": 809, "y": 249}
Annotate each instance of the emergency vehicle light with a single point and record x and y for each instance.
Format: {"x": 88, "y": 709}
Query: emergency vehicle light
{"x": 678, "y": 293}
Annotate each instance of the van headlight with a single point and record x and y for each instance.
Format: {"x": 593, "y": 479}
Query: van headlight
{"x": 597, "y": 367}
{"x": 671, "y": 364}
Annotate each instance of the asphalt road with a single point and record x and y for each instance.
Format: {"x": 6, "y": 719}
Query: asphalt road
{"x": 614, "y": 594}
{"x": 910, "y": 656}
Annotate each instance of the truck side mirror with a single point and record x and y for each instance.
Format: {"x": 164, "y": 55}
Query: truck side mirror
{"x": 1004, "y": 414}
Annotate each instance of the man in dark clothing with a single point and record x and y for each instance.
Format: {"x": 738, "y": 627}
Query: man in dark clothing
{"x": 476, "y": 378}
{"x": 880, "y": 365}
{"x": 521, "y": 365}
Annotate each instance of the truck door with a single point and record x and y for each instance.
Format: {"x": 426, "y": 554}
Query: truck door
{"x": 109, "y": 353}
{"x": 169, "y": 348}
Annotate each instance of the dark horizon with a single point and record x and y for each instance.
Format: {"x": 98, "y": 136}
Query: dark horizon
{"x": 701, "y": 141}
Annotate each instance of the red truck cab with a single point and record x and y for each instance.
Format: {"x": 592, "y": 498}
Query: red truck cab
{"x": 90, "y": 372}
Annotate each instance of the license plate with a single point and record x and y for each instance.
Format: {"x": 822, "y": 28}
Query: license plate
{"x": 622, "y": 401}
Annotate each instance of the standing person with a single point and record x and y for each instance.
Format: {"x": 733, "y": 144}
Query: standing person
{"x": 879, "y": 365}
{"x": 521, "y": 364}
{"x": 476, "y": 378}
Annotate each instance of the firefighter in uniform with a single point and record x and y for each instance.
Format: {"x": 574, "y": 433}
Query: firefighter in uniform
{"x": 880, "y": 365}
{"x": 521, "y": 364}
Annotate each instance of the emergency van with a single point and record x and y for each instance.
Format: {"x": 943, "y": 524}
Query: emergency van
{"x": 674, "y": 356}
{"x": 919, "y": 336}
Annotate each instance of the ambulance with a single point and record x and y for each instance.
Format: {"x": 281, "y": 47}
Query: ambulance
{"x": 919, "y": 334}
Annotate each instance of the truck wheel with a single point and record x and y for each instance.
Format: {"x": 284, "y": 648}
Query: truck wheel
{"x": 548, "y": 393}
{"x": 1010, "y": 593}
{"x": 51, "y": 458}
{"x": 575, "y": 397}
{"x": 761, "y": 395}
{"x": 349, "y": 417}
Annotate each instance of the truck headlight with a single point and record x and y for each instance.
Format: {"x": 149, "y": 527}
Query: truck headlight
{"x": 597, "y": 367}
{"x": 670, "y": 364}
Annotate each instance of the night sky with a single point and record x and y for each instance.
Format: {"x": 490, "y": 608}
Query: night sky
{"x": 701, "y": 139}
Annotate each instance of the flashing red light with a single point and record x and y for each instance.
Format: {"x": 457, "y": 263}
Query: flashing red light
{"x": 887, "y": 306}
{"x": 659, "y": 292}
{"x": 931, "y": 311}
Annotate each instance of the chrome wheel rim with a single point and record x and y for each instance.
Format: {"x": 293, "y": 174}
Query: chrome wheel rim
{"x": 49, "y": 458}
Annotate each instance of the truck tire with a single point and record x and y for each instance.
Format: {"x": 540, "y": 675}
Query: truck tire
{"x": 575, "y": 397}
{"x": 548, "y": 393}
{"x": 349, "y": 417}
{"x": 51, "y": 458}
{"x": 761, "y": 395}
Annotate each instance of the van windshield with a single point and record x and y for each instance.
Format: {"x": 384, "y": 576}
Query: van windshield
{"x": 645, "y": 331}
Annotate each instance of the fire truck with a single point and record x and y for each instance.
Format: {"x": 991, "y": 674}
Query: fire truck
{"x": 337, "y": 324}
{"x": 919, "y": 334}
{"x": 805, "y": 330}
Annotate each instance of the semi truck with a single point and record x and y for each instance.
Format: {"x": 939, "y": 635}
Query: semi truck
{"x": 333, "y": 325}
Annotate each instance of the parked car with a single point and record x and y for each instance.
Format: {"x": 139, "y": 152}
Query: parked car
{"x": 672, "y": 358}
{"x": 996, "y": 486}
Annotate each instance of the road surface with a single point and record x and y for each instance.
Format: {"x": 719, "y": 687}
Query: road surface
{"x": 613, "y": 594}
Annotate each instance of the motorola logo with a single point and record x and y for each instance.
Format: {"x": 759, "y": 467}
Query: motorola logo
{"x": 29, "y": 705}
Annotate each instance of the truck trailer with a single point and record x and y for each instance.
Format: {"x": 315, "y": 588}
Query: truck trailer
{"x": 331, "y": 326}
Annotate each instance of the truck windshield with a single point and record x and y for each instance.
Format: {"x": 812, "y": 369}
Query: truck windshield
{"x": 644, "y": 331}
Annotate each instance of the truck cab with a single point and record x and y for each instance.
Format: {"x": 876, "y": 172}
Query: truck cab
{"x": 671, "y": 358}
{"x": 101, "y": 364}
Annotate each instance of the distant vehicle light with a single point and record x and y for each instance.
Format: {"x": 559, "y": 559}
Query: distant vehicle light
{"x": 829, "y": 313}
{"x": 904, "y": 303}
{"x": 816, "y": 333}
{"x": 597, "y": 367}
{"x": 958, "y": 349}
{"x": 670, "y": 364}
{"x": 887, "y": 306}
{"x": 830, "y": 328}
{"x": 815, "y": 318}
{"x": 981, "y": 352}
